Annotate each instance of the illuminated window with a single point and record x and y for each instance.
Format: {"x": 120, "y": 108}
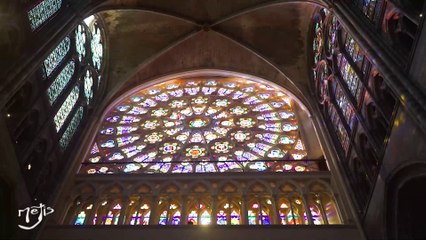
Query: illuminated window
{"x": 42, "y": 12}
{"x": 60, "y": 82}
{"x": 200, "y": 126}
{"x": 71, "y": 129}
{"x": 60, "y": 68}
{"x": 56, "y": 56}
{"x": 368, "y": 7}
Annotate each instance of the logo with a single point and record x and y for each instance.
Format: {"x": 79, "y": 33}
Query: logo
{"x": 34, "y": 212}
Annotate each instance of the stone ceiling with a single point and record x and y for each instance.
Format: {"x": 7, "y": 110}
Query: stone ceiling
{"x": 150, "y": 39}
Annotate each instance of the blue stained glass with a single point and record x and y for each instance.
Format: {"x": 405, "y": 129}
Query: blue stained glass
{"x": 251, "y": 101}
{"x": 268, "y": 137}
{"x": 138, "y": 111}
{"x": 108, "y": 144}
{"x": 259, "y": 166}
{"x": 239, "y": 95}
{"x": 224, "y": 91}
{"x": 260, "y": 149}
{"x": 176, "y": 93}
{"x": 72, "y": 127}
{"x": 262, "y": 108}
{"x": 201, "y": 168}
{"x": 125, "y": 130}
{"x": 171, "y": 122}
{"x": 162, "y": 97}
{"x": 192, "y": 91}
{"x": 113, "y": 119}
{"x": 60, "y": 82}
{"x": 129, "y": 119}
{"x": 123, "y": 108}
{"x": 180, "y": 168}
{"x": 286, "y": 115}
{"x": 108, "y": 131}
{"x": 273, "y": 127}
{"x": 56, "y": 56}
{"x": 80, "y": 218}
{"x": 43, "y": 11}
{"x": 122, "y": 141}
{"x": 208, "y": 90}
{"x": 116, "y": 156}
{"x": 148, "y": 103}
{"x": 66, "y": 108}
{"x": 269, "y": 116}
{"x": 133, "y": 150}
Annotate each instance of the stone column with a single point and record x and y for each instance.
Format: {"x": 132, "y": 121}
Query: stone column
{"x": 276, "y": 209}
{"x": 321, "y": 207}
{"x": 123, "y": 212}
{"x": 305, "y": 199}
{"x": 91, "y": 215}
{"x": 183, "y": 210}
{"x": 154, "y": 208}
{"x": 214, "y": 210}
{"x": 244, "y": 209}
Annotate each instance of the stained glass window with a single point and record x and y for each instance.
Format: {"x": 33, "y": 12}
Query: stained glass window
{"x": 368, "y": 7}
{"x": 344, "y": 106}
{"x": 88, "y": 86}
{"x": 177, "y": 127}
{"x": 80, "y": 218}
{"x": 72, "y": 127}
{"x": 60, "y": 82}
{"x": 66, "y": 108}
{"x": 318, "y": 41}
{"x": 43, "y": 11}
{"x": 96, "y": 47}
{"x": 339, "y": 128}
{"x": 332, "y": 34}
{"x": 356, "y": 53}
{"x": 80, "y": 42}
{"x": 350, "y": 77}
{"x": 56, "y": 56}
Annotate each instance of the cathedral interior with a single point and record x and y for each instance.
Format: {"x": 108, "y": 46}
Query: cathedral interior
{"x": 238, "y": 119}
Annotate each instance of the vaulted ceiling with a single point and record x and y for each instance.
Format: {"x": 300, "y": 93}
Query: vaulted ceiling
{"x": 150, "y": 39}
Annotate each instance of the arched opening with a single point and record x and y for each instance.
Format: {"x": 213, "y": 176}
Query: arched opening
{"x": 410, "y": 210}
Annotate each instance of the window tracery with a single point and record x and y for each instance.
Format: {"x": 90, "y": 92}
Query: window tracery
{"x": 347, "y": 98}
{"x": 369, "y": 8}
{"x": 40, "y": 13}
{"x": 56, "y": 56}
{"x": 288, "y": 207}
{"x": 80, "y": 41}
{"x": 199, "y": 126}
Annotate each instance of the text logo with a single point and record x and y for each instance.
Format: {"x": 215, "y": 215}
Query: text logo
{"x": 35, "y": 211}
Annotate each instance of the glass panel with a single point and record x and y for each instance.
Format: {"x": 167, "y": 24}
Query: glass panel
{"x": 170, "y": 129}
{"x": 356, "y": 53}
{"x": 71, "y": 129}
{"x": 96, "y": 47}
{"x": 368, "y": 7}
{"x": 88, "y": 86}
{"x": 60, "y": 82}
{"x": 80, "y": 218}
{"x": 350, "y": 77}
{"x": 66, "y": 108}
{"x": 80, "y": 42}
{"x": 43, "y": 11}
{"x": 56, "y": 56}
{"x": 345, "y": 107}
